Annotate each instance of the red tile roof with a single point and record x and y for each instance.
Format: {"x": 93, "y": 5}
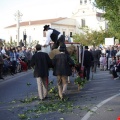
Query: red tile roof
{"x": 37, "y": 22}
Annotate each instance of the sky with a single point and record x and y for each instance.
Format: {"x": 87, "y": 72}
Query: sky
{"x": 34, "y": 10}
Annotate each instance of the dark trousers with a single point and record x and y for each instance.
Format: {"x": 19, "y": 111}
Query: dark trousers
{"x": 87, "y": 73}
{"x": 1, "y": 70}
{"x": 28, "y": 63}
{"x": 14, "y": 65}
{"x": 114, "y": 73}
{"x": 59, "y": 42}
{"x": 95, "y": 65}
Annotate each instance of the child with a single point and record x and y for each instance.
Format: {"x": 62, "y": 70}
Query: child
{"x": 104, "y": 62}
{"x": 101, "y": 62}
{"x": 112, "y": 62}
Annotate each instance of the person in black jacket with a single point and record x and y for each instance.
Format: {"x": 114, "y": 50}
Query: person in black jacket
{"x": 62, "y": 64}
{"x": 54, "y": 35}
{"x": 87, "y": 62}
{"x": 96, "y": 59}
{"x": 41, "y": 63}
{"x": 1, "y": 65}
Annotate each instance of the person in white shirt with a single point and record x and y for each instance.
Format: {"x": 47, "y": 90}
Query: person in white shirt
{"x": 54, "y": 35}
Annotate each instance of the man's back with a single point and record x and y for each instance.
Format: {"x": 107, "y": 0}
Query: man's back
{"x": 41, "y": 63}
{"x": 62, "y": 64}
{"x": 88, "y": 58}
{"x": 95, "y": 55}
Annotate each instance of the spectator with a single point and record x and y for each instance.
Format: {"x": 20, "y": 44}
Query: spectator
{"x": 13, "y": 58}
{"x": 103, "y": 62}
{"x": 1, "y": 64}
{"x": 110, "y": 54}
{"x": 29, "y": 56}
{"x": 21, "y": 43}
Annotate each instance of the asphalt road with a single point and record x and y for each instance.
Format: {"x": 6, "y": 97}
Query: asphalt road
{"x": 98, "y": 100}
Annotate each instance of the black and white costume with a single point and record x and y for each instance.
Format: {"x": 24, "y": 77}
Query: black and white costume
{"x": 55, "y": 36}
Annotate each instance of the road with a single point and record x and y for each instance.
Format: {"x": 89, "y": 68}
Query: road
{"x": 98, "y": 100}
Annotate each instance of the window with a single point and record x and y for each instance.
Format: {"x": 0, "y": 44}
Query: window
{"x": 70, "y": 34}
{"x": 80, "y": 2}
{"x": 63, "y": 32}
{"x": 85, "y": 1}
{"x": 82, "y": 22}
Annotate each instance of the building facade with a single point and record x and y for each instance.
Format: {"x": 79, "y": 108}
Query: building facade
{"x": 34, "y": 29}
{"x": 85, "y": 15}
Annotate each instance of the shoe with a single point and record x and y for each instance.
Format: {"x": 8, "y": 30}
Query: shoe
{"x": 116, "y": 78}
{"x": 65, "y": 97}
{"x": 42, "y": 99}
{"x": 46, "y": 98}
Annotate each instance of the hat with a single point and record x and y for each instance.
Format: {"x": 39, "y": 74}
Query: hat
{"x": 86, "y": 47}
{"x": 62, "y": 48}
{"x": 46, "y": 27}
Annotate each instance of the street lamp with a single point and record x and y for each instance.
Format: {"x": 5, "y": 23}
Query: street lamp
{"x": 18, "y": 16}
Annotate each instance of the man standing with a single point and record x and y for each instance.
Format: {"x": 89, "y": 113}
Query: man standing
{"x": 62, "y": 64}
{"x": 96, "y": 59}
{"x": 54, "y": 35}
{"x": 41, "y": 64}
{"x": 111, "y": 53}
{"x": 87, "y": 62}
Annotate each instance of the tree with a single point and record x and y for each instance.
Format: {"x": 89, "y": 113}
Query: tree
{"x": 112, "y": 14}
{"x": 91, "y": 37}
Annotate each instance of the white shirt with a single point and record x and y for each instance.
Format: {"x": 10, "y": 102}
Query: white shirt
{"x": 3, "y": 51}
{"x": 48, "y": 39}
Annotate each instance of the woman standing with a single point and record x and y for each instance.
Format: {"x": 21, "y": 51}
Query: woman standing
{"x": 13, "y": 59}
{"x": 1, "y": 64}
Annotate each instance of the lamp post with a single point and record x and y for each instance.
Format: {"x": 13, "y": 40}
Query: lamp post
{"x": 18, "y": 16}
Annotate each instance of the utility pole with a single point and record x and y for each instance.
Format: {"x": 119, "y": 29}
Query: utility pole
{"x": 18, "y": 16}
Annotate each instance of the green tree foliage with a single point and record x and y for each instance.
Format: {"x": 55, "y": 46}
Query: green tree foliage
{"x": 91, "y": 37}
{"x": 112, "y": 14}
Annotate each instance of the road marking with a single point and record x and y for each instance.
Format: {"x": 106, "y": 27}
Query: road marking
{"x": 87, "y": 116}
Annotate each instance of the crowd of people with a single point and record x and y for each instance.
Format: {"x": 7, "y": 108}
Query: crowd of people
{"x": 109, "y": 59}
{"x": 15, "y": 59}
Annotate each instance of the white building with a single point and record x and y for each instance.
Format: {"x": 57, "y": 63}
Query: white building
{"x": 87, "y": 15}
{"x": 84, "y": 15}
{"x": 34, "y": 29}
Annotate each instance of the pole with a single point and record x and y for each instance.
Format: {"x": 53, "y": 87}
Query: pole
{"x": 18, "y": 30}
{"x": 18, "y": 16}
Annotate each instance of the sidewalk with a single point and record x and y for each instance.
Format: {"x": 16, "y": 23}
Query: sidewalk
{"x": 108, "y": 108}
{"x": 109, "y": 111}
